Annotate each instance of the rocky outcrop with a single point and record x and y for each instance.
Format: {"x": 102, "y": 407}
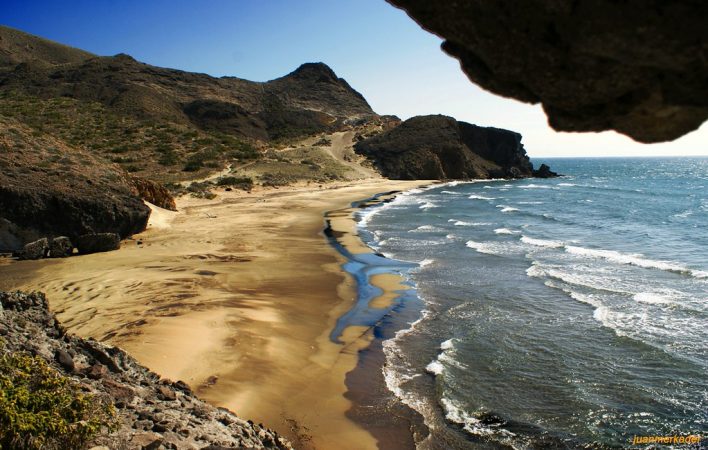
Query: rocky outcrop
{"x": 48, "y": 189}
{"x": 97, "y": 243}
{"x": 154, "y": 193}
{"x": 544, "y": 172}
{"x": 35, "y": 250}
{"x": 152, "y": 413}
{"x": 60, "y": 247}
{"x": 440, "y": 147}
{"x": 635, "y": 67}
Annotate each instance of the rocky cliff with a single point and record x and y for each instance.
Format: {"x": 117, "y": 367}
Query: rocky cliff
{"x": 636, "y": 67}
{"x": 150, "y": 412}
{"x": 48, "y": 189}
{"x": 440, "y": 147}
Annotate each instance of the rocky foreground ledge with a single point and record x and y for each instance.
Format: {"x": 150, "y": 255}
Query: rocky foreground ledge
{"x": 150, "y": 412}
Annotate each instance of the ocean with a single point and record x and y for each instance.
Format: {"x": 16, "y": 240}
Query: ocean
{"x": 555, "y": 313}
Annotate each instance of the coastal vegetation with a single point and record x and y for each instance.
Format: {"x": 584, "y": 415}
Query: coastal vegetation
{"x": 40, "y": 408}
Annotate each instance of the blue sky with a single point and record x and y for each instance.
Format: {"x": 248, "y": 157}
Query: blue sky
{"x": 397, "y": 66}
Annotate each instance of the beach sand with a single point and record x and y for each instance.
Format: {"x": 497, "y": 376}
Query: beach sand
{"x": 235, "y": 296}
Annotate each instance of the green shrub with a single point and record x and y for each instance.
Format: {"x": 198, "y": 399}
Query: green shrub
{"x": 192, "y": 165}
{"x": 40, "y": 408}
{"x": 245, "y": 183}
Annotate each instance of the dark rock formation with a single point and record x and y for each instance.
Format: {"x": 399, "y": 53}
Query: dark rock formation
{"x": 50, "y": 189}
{"x": 35, "y": 250}
{"x": 439, "y": 147}
{"x": 544, "y": 172}
{"x": 97, "y": 242}
{"x": 634, "y": 66}
{"x": 60, "y": 247}
{"x": 151, "y": 412}
{"x": 154, "y": 193}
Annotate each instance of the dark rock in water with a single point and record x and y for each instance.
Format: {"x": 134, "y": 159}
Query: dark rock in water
{"x": 60, "y": 247}
{"x": 544, "y": 172}
{"x": 35, "y": 250}
{"x": 97, "y": 242}
{"x": 635, "y": 67}
{"x": 440, "y": 147}
{"x": 143, "y": 401}
{"x": 154, "y": 193}
{"x": 491, "y": 419}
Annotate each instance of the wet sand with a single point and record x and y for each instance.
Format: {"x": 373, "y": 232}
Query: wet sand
{"x": 237, "y": 297}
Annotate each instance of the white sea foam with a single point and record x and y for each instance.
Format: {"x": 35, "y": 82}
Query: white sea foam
{"x": 435, "y": 367}
{"x": 635, "y": 259}
{"x": 488, "y": 248}
{"x": 535, "y": 271}
{"x": 534, "y": 186}
{"x": 505, "y": 231}
{"x": 480, "y": 197}
{"x": 567, "y": 184}
{"x": 462, "y": 223}
{"x": 455, "y": 413}
{"x": 397, "y": 371}
{"x": 428, "y": 205}
{"x": 651, "y": 298}
{"x": 366, "y": 215}
{"x": 426, "y": 262}
{"x": 529, "y": 203}
{"x": 541, "y": 242}
{"x": 509, "y": 209}
{"x": 447, "y": 345}
{"x": 424, "y": 228}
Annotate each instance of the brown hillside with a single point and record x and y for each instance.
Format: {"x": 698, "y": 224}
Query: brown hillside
{"x": 19, "y": 47}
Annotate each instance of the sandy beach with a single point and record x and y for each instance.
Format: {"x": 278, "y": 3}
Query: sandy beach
{"x": 236, "y": 296}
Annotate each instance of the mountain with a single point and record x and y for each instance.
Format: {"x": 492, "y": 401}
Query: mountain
{"x": 18, "y": 47}
{"x": 311, "y": 99}
{"x": 439, "y": 147}
{"x": 83, "y": 138}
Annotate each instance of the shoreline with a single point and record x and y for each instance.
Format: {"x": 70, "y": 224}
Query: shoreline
{"x": 386, "y": 303}
{"x": 236, "y": 296}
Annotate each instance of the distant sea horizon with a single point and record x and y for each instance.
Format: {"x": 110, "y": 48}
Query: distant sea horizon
{"x": 556, "y": 312}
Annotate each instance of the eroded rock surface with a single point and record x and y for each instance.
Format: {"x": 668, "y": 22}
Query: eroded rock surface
{"x": 153, "y": 413}
{"x": 636, "y": 67}
{"x": 440, "y": 147}
{"x": 49, "y": 189}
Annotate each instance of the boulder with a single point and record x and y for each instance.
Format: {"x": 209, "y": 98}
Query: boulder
{"x": 35, "y": 250}
{"x": 544, "y": 172}
{"x": 64, "y": 359}
{"x": 97, "y": 242}
{"x": 60, "y": 247}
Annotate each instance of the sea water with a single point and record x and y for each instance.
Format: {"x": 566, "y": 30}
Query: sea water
{"x": 553, "y": 313}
